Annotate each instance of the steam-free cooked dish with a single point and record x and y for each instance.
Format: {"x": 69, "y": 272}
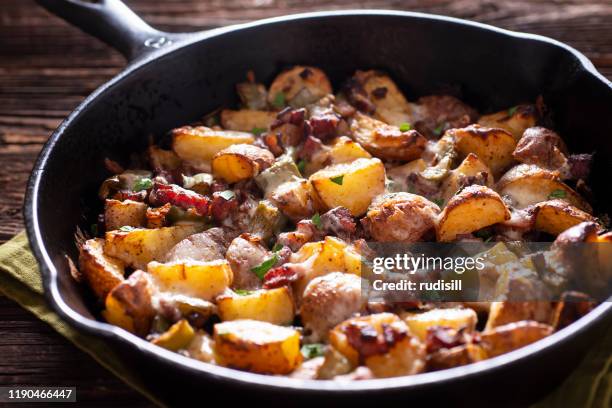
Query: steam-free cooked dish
{"x": 240, "y": 240}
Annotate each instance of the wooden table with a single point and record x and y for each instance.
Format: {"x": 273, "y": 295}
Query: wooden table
{"x": 47, "y": 67}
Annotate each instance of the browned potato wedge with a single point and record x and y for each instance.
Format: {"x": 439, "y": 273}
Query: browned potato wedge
{"x": 437, "y": 113}
{"x": 124, "y": 213}
{"x": 512, "y": 336}
{"x": 471, "y": 171}
{"x": 204, "y": 280}
{"x": 555, "y": 216}
{"x": 471, "y": 209}
{"x": 296, "y": 199}
{"x": 345, "y": 150}
{"x": 573, "y": 306}
{"x": 246, "y": 120}
{"x": 400, "y": 217}
{"x": 515, "y": 120}
{"x": 501, "y": 313}
{"x": 101, "y": 271}
{"x": 528, "y": 184}
{"x": 129, "y": 304}
{"x": 257, "y": 346}
{"x": 241, "y": 162}
{"x": 273, "y": 306}
{"x": 454, "y": 318}
{"x": 177, "y": 337}
{"x": 138, "y": 246}
{"x": 350, "y": 185}
{"x": 455, "y": 357}
{"x": 493, "y": 146}
{"x": 406, "y": 357}
{"x": 163, "y": 159}
{"x": 197, "y": 144}
{"x": 387, "y": 141}
{"x": 298, "y": 87}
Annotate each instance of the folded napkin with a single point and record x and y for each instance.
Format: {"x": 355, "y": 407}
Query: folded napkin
{"x": 589, "y": 386}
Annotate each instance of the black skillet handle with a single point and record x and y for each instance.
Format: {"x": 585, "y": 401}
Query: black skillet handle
{"x": 114, "y": 23}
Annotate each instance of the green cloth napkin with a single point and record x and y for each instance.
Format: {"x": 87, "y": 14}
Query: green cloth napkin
{"x": 590, "y": 386}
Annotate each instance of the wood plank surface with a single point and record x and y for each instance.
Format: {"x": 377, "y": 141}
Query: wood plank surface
{"x": 47, "y": 67}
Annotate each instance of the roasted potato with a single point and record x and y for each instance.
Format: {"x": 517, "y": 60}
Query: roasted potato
{"x": 344, "y": 149}
{"x": 273, "y": 306}
{"x": 138, "y": 246}
{"x": 209, "y": 245}
{"x": 406, "y": 357}
{"x": 202, "y": 347}
{"x": 267, "y": 221}
{"x": 177, "y": 337}
{"x": 243, "y": 254}
{"x": 296, "y": 199}
{"x": 502, "y": 313}
{"x": 435, "y": 114}
{"x": 555, "y": 216}
{"x": 542, "y": 147}
{"x": 514, "y": 120}
{"x": 257, "y": 346}
{"x": 400, "y": 217}
{"x": 129, "y": 305}
{"x": 387, "y": 141}
{"x": 163, "y": 159}
{"x": 512, "y": 336}
{"x": 247, "y": 120}
{"x": 350, "y": 185}
{"x": 298, "y": 87}
{"x": 101, "y": 271}
{"x": 241, "y": 162}
{"x": 471, "y": 209}
{"x": 454, "y": 318}
{"x": 398, "y": 176}
{"x": 472, "y": 170}
{"x": 493, "y": 146}
{"x": 455, "y": 356}
{"x": 527, "y": 184}
{"x": 204, "y": 280}
{"x": 124, "y": 213}
{"x": 201, "y": 144}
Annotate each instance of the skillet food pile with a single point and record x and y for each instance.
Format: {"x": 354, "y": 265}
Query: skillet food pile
{"x": 239, "y": 240}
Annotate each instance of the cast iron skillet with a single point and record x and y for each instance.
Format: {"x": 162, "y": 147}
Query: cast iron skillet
{"x": 172, "y": 79}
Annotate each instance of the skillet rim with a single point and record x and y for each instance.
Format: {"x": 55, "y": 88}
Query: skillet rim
{"x": 50, "y": 274}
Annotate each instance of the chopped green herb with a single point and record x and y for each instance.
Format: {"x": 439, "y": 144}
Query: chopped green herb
{"x": 338, "y": 179}
{"x": 313, "y": 350}
{"x": 557, "y": 194}
{"x": 512, "y": 110}
{"x": 258, "y": 131}
{"x": 144, "y": 183}
{"x": 265, "y": 266}
{"x": 404, "y": 127}
{"x": 438, "y": 201}
{"x": 316, "y": 220}
{"x": 244, "y": 292}
{"x": 126, "y": 228}
{"x": 438, "y": 131}
{"x": 301, "y": 166}
{"x": 277, "y": 247}
{"x": 227, "y": 194}
{"x": 279, "y": 100}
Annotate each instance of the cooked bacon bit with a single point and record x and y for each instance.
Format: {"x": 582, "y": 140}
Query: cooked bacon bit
{"x": 180, "y": 197}
{"x": 218, "y": 186}
{"x": 358, "y": 97}
{"x": 441, "y": 337}
{"x": 280, "y": 276}
{"x": 271, "y": 141}
{"x": 418, "y": 184}
{"x": 123, "y": 195}
{"x": 221, "y": 208}
{"x": 305, "y": 231}
{"x": 368, "y": 342}
{"x": 339, "y": 221}
{"x": 324, "y": 124}
{"x": 580, "y": 165}
{"x": 344, "y": 109}
{"x": 113, "y": 166}
{"x": 289, "y": 116}
{"x": 305, "y": 73}
{"x": 156, "y": 217}
{"x": 480, "y": 179}
{"x": 380, "y": 93}
{"x": 311, "y": 146}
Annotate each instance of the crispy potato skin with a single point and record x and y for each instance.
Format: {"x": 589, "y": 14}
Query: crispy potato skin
{"x": 542, "y": 147}
{"x": 124, "y": 213}
{"x": 245, "y": 120}
{"x": 101, "y": 271}
{"x": 345, "y": 150}
{"x": 387, "y": 141}
{"x": 241, "y": 162}
{"x": 197, "y": 144}
{"x": 473, "y": 208}
{"x": 455, "y": 318}
{"x": 472, "y": 170}
{"x": 257, "y": 346}
{"x": 512, "y": 336}
{"x": 295, "y": 198}
{"x": 502, "y": 313}
{"x": 267, "y": 305}
{"x": 300, "y": 86}
{"x": 244, "y": 253}
{"x": 556, "y": 216}
{"x": 400, "y": 217}
{"x": 177, "y": 337}
{"x": 455, "y": 357}
{"x": 514, "y": 120}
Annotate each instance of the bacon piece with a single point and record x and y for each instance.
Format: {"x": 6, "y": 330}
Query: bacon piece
{"x": 324, "y": 123}
{"x": 220, "y": 208}
{"x": 123, "y": 195}
{"x": 369, "y": 342}
{"x": 441, "y": 337}
{"x": 280, "y": 276}
{"x": 180, "y": 197}
{"x": 339, "y": 221}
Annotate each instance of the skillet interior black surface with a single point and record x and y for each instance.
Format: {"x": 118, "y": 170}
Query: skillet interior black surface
{"x": 489, "y": 69}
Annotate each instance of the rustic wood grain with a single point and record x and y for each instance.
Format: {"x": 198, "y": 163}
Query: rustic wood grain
{"x": 47, "y": 67}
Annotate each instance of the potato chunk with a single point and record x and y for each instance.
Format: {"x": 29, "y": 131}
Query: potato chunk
{"x": 246, "y": 120}
{"x": 257, "y": 346}
{"x": 350, "y": 185}
{"x": 455, "y": 356}
{"x": 471, "y": 171}
{"x": 345, "y": 150}
{"x": 124, "y": 213}
{"x": 471, "y": 209}
{"x": 400, "y": 217}
{"x": 454, "y": 318}
{"x": 529, "y": 184}
{"x": 502, "y": 313}
{"x": 101, "y": 271}
{"x": 197, "y": 144}
{"x": 273, "y": 306}
{"x": 137, "y": 247}
{"x": 241, "y": 162}
{"x": 555, "y": 216}
{"x": 387, "y": 141}
{"x": 204, "y": 280}
{"x": 504, "y": 339}
{"x": 514, "y": 120}
{"x": 298, "y": 87}
{"x": 493, "y": 146}
{"x": 177, "y": 337}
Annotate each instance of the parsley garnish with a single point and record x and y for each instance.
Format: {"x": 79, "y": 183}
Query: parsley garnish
{"x": 279, "y": 100}
{"x": 316, "y": 220}
{"x": 404, "y": 127}
{"x": 557, "y": 194}
{"x": 244, "y": 292}
{"x": 301, "y": 166}
{"x": 438, "y": 201}
{"x": 338, "y": 179}
{"x": 265, "y": 266}
{"x": 277, "y": 247}
{"x": 127, "y": 228}
{"x": 438, "y": 131}
{"x": 512, "y": 110}
{"x": 227, "y": 194}
{"x": 313, "y": 350}
{"x": 258, "y": 131}
{"x": 144, "y": 183}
